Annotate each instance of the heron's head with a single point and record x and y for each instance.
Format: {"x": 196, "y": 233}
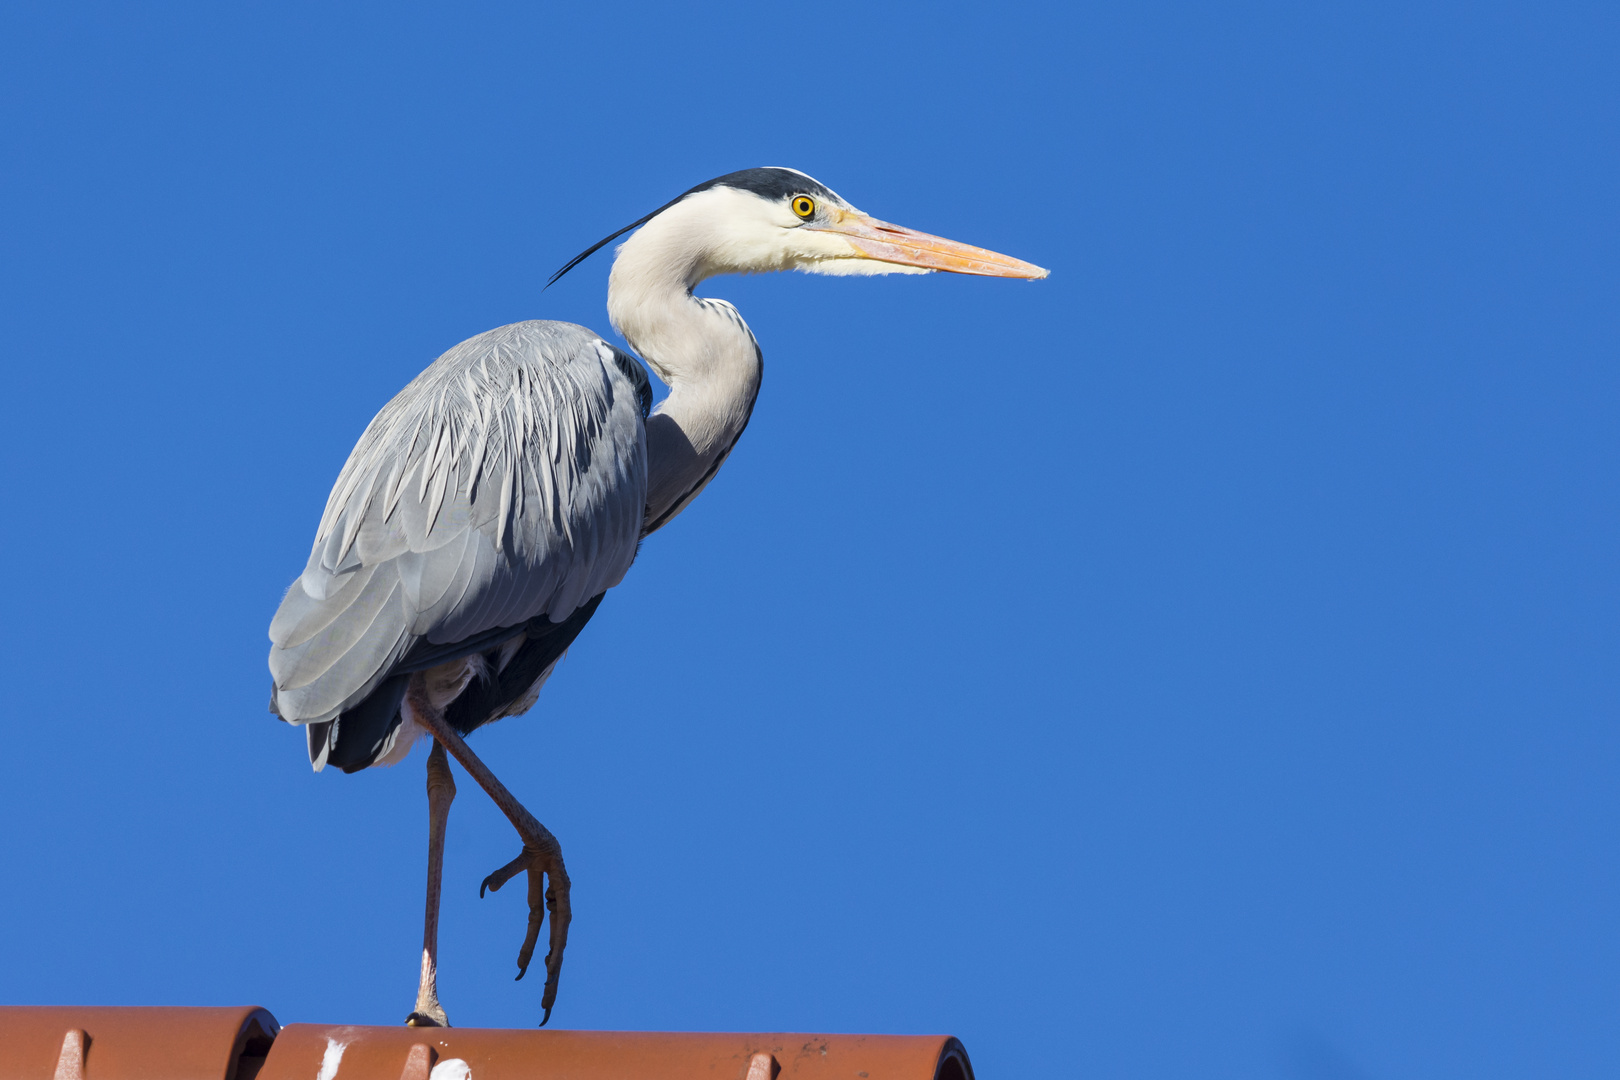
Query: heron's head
{"x": 759, "y": 220}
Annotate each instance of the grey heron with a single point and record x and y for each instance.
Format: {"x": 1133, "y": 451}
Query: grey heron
{"x": 489, "y": 506}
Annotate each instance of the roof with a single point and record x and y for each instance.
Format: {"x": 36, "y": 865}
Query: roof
{"x": 246, "y": 1043}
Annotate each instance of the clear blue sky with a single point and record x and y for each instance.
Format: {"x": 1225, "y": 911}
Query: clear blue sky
{"x": 1200, "y": 663}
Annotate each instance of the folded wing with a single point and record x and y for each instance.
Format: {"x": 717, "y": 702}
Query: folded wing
{"x": 506, "y": 483}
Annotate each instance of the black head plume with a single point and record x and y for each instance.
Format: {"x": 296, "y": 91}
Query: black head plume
{"x": 768, "y": 183}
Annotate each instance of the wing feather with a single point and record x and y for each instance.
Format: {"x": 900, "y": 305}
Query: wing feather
{"x": 306, "y": 662}
{"x": 303, "y": 615}
{"x": 506, "y": 482}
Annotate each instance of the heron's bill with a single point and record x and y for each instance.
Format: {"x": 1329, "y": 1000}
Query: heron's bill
{"x": 897, "y": 244}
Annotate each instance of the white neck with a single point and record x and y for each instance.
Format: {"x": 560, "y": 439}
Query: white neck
{"x": 700, "y": 348}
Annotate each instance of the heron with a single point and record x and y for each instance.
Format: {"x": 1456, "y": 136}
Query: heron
{"x": 487, "y": 509}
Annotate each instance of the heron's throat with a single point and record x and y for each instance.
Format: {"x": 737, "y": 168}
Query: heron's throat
{"x": 707, "y": 356}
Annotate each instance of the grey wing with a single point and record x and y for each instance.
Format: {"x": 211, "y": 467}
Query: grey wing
{"x": 506, "y": 482}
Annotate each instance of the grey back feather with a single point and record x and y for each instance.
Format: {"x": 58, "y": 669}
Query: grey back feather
{"x": 507, "y": 481}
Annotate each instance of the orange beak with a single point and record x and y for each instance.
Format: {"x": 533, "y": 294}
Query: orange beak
{"x": 897, "y": 244}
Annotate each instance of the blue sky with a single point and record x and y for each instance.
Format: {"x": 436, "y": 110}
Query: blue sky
{"x": 1200, "y": 663}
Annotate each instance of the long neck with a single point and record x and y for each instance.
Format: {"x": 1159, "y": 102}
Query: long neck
{"x": 701, "y": 349}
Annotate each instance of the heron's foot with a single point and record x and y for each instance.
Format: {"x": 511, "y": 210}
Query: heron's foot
{"x": 428, "y": 1016}
{"x": 548, "y": 891}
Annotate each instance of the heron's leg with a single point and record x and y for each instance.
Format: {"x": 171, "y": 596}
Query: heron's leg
{"x": 541, "y": 856}
{"x": 441, "y": 790}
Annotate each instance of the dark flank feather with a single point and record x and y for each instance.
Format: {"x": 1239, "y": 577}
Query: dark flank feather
{"x": 362, "y": 732}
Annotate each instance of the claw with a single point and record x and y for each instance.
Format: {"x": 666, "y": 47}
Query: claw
{"x": 506, "y": 873}
{"x": 557, "y": 902}
{"x": 536, "y": 915}
{"x": 548, "y": 892}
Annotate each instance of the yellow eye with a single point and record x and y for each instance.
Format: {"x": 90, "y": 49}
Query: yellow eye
{"x": 804, "y": 205}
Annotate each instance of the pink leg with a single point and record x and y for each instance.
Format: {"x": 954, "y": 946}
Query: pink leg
{"x": 441, "y": 788}
{"x": 541, "y": 855}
